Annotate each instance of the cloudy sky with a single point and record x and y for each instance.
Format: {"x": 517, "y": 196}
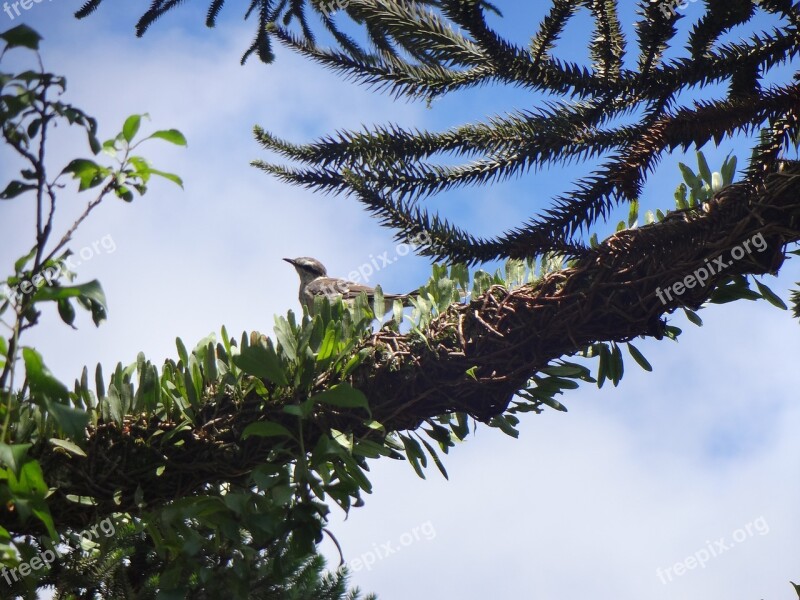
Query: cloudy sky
{"x": 622, "y": 497}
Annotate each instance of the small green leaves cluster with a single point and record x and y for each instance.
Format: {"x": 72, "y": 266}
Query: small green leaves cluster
{"x": 699, "y": 188}
{"x": 693, "y": 192}
{"x": 132, "y": 172}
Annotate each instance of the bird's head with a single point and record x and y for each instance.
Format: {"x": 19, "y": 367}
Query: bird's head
{"x": 308, "y": 268}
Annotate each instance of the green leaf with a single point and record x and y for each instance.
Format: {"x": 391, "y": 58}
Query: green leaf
{"x": 94, "y": 143}
{"x": 88, "y": 172}
{"x": 66, "y": 311}
{"x": 282, "y": 494}
{"x": 728, "y": 170}
{"x": 210, "y": 363}
{"x": 552, "y": 403}
{"x": 172, "y": 136}
{"x": 21, "y": 36}
{"x": 515, "y": 271}
{"x": 371, "y": 449}
{"x": 262, "y": 362}
{"x": 343, "y": 395}
{"x": 460, "y": 427}
{"x": 689, "y": 177}
{"x": 397, "y": 312}
{"x": 15, "y": 188}
{"x": 603, "y": 368}
{"x": 286, "y": 338}
{"x": 42, "y": 382}
{"x": 72, "y": 421}
{"x": 91, "y": 291}
{"x": 345, "y": 440}
{"x": 354, "y": 361}
{"x": 693, "y": 317}
{"x": 98, "y": 310}
{"x": 618, "y": 365}
{"x": 131, "y": 127}
{"x": 13, "y": 456}
{"x": 69, "y": 446}
{"x": 170, "y": 176}
{"x": 266, "y": 429}
{"x": 378, "y": 306}
{"x": 503, "y": 424}
{"x": 30, "y": 490}
{"x": 565, "y": 370}
{"x": 19, "y": 265}
{"x": 415, "y": 455}
{"x": 560, "y": 383}
{"x": 300, "y": 411}
{"x": 42, "y": 512}
{"x": 30, "y": 481}
{"x": 329, "y": 344}
{"x": 98, "y": 382}
{"x": 702, "y": 164}
{"x": 633, "y": 213}
{"x": 182, "y": 353}
{"x": 124, "y": 193}
{"x": 436, "y": 459}
{"x": 639, "y": 357}
{"x": 680, "y": 200}
{"x": 731, "y": 292}
{"x": 116, "y": 411}
{"x": 770, "y": 296}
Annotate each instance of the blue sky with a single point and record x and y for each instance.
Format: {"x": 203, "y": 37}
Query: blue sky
{"x": 585, "y": 504}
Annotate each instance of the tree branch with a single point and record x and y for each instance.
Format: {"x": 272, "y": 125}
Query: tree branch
{"x": 503, "y": 337}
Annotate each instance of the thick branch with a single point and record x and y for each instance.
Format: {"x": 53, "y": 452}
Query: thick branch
{"x": 611, "y": 295}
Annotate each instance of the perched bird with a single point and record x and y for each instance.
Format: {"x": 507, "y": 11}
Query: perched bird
{"x": 314, "y": 281}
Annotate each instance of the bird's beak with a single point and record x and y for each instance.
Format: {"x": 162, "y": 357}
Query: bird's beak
{"x": 289, "y": 260}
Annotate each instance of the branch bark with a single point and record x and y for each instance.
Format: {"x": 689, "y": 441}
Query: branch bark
{"x": 506, "y": 335}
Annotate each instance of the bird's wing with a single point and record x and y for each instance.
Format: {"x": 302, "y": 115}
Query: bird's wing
{"x": 331, "y": 286}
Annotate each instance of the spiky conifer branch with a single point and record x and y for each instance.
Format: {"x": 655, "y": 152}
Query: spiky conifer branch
{"x": 388, "y": 167}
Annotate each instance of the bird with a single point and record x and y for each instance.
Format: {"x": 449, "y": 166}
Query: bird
{"x": 314, "y": 282}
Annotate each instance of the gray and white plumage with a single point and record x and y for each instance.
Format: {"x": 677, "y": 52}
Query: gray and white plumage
{"x": 314, "y": 281}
